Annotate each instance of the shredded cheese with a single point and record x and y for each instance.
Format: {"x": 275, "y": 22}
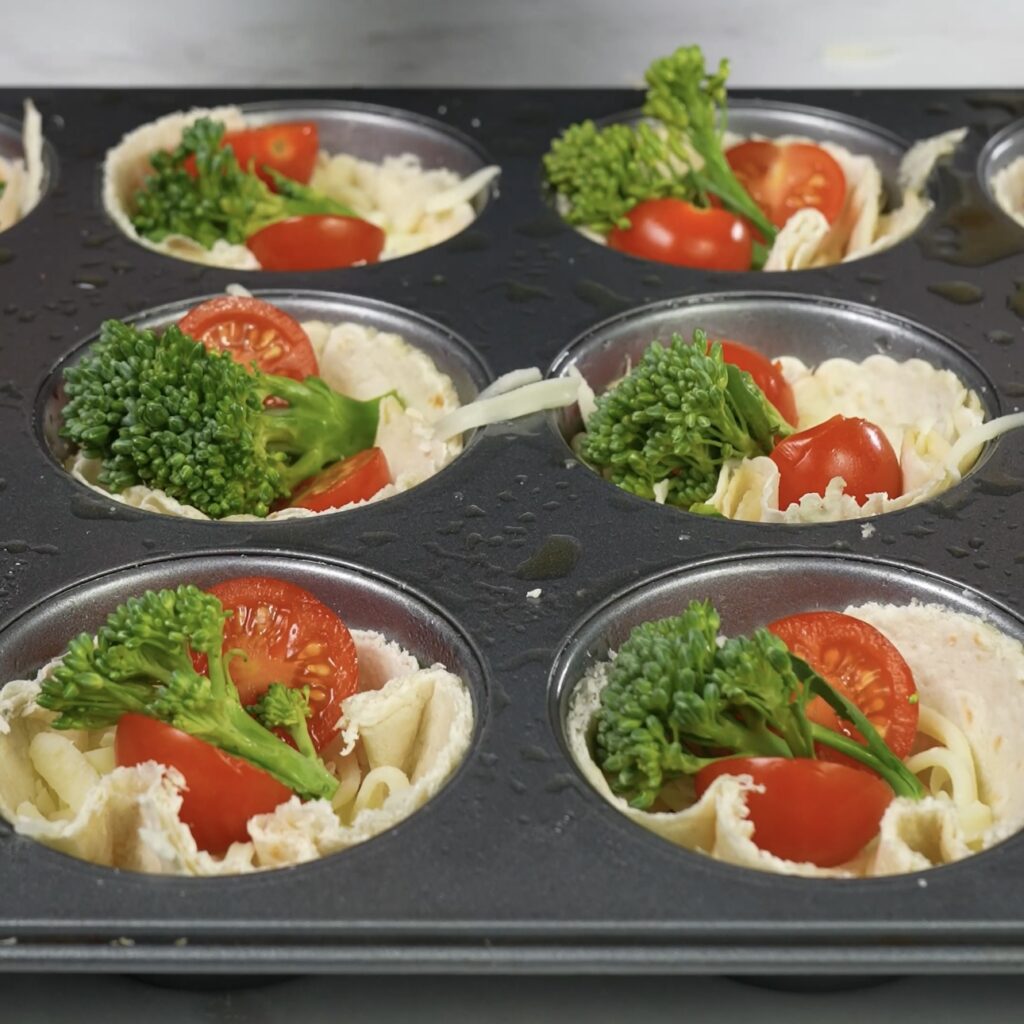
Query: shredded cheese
{"x": 523, "y": 401}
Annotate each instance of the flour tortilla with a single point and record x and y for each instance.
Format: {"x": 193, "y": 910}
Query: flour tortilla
{"x": 1008, "y": 187}
{"x": 23, "y": 178}
{"x": 421, "y": 718}
{"x": 964, "y": 669}
{"x": 360, "y": 362}
{"x": 922, "y": 410}
{"x": 861, "y": 228}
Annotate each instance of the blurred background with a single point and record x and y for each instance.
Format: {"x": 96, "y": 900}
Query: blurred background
{"x": 507, "y": 42}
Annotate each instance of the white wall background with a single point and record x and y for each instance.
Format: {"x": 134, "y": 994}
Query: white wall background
{"x": 506, "y": 42}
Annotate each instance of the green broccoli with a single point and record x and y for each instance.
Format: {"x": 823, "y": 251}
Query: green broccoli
{"x": 686, "y": 98}
{"x": 676, "y": 417}
{"x": 604, "y": 172}
{"x": 141, "y": 661}
{"x": 676, "y": 699}
{"x": 221, "y": 199}
{"x": 164, "y": 411}
{"x": 282, "y": 707}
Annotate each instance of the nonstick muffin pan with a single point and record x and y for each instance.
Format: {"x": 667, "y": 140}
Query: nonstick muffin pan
{"x": 499, "y": 565}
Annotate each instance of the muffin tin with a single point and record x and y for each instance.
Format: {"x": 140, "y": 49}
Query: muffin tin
{"x": 499, "y": 566}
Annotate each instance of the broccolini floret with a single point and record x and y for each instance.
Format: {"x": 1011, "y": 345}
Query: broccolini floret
{"x": 165, "y": 411}
{"x": 675, "y": 418}
{"x": 677, "y": 700}
{"x": 222, "y": 199}
{"x": 284, "y": 707}
{"x": 141, "y": 661}
{"x": 602, "y": 173}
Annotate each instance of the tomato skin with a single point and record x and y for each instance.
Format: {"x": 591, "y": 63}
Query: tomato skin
{"x": 223, "y": 792}
{"x": 316, "y": 242}
{"x": 811, "y": 811}
{"x": 845, "y": 446}
{"x": 253, "y": 330}
{"x": 785, "y": 178}
{"x": 864, "y": 666}
{"x": 290, "y": 637}
{"x": 290, "y": 149}
{"x": 356, "y": 478}
{"x": 677, "y": 232}
{"x": 767, "y": 376}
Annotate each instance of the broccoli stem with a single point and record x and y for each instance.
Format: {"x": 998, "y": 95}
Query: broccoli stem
{"x": 227, "y": 725}
{"x": 319, "y": 425}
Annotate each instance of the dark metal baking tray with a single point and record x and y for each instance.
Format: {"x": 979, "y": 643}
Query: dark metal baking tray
{"x": 516, "y": 865}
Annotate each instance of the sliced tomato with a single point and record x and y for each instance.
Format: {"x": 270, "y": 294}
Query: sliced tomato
{"x": 252, "y": 330}
{"x": 810, "y": 811}
{"x": 289, "y": 637}
{"x": 845, "y": 446}
{"x": 782, "y": 179}
{"x": 356, "y": 478}
{"x": 222, "y": 792}
{"x": 865, "y": 667}
{"x": 316, "y": 242}
{"x": 767, "y": 376}
{"x": 677, "y": 232}
{"x": 290, "y": 149}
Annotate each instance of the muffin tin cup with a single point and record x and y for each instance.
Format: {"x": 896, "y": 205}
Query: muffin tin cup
{"x": 364, "y": 600}
{"x": 515, "y": 865}
{"x": 811, "y": 328}
{"x": 373, "y": 132}
{"x": 998, "y": 153}
{"x": 450, "y": 354}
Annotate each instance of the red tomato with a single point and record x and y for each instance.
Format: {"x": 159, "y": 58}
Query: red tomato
{"x": 767, "y": 376}
{"x": 356, "y": 478}
{"x": 784, "y": 179}
{"x": 814, "y": 811}
{"x": 223, "y": 792}
{"x": 845, "y": 446}
{"x": 289, "y": 637}
{"x": 290, "y": 149}
{"x": 253, "y": 330}
{"x": 865, "y": 667}
{"x": 316, "y": 242}
{"x": 674, "y": 231}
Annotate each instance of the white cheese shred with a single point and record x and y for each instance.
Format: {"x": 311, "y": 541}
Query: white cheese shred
{"x": 463, "y": 192}
{"x": 977, "y": 436}
{"x": 523, "y": 401}
{"x": 510, "y": 381}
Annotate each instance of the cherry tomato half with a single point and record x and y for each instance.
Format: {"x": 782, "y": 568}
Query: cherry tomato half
{"x": 782, "y": 179}
{"x": 288, "y": 637}
{"x": 767, "y": 376}
{"x": 845, "y": 446}
{"x": 674, "y": 231}
{"x": 356, "y": 478}
{"x": 810, "y": 811}
{"x": 223, "y": 792}
{"x": 865, "y": 667}
{"x": 253, "y": 330}
{"x": 316, "y": 242}
{"x": 290, "y": 149}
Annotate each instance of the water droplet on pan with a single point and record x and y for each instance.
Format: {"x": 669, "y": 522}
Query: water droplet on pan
{"x": 961, "y": 292}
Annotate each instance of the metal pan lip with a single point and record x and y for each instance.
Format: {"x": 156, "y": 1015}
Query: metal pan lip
{"x": 999, "y": 151}
{"x": 469, "y": 370}
{"x": 565, "y": 675}
{"x": 591, "y": 338}
{"x": 11, "y": 147}
{"x": 266, "y": 112}
{"x": 250, "y": 560}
